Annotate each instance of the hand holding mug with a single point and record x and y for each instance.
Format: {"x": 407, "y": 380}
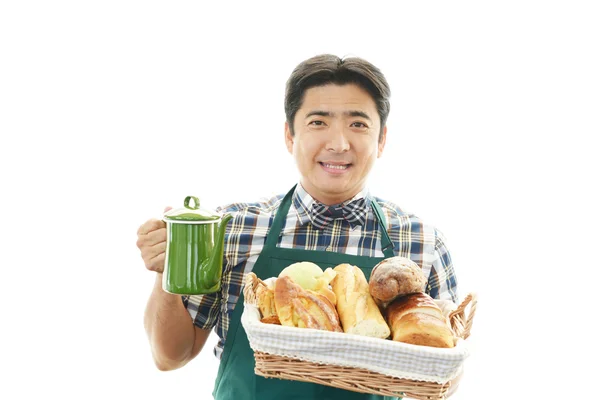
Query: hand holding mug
{"x": 152, "y": 242}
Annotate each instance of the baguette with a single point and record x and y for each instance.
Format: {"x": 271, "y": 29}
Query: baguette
{"x": 357, "y": 310}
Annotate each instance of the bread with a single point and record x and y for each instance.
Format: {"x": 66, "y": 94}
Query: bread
{"x": 394, "y": 277}
{"x": 266, "y": 304}
{"x": 302, "y": 308}
{"x": 322, "y": 286}
{"x": 358, "y": 312}
{"x": 423, "y": 330}
{"x": 311, "y": 277}
{"x": 266, "y": 301}
{"x": 416, "y": 319}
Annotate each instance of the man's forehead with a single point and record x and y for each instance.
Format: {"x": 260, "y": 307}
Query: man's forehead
{"x": 338, "y": 99}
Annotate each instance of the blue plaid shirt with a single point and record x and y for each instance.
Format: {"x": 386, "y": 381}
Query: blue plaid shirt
{"x": 247, "y": 232}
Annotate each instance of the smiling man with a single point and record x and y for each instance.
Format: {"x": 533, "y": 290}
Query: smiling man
{"x": 336, "y": 111}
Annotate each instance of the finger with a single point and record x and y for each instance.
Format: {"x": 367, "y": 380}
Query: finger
{"x": 155, "y": 250}
{"x": 155, "y": 237}
{"x": 157, "y": 263}
{"x": 151, "y": 239}
{"x": 150, "y": 225}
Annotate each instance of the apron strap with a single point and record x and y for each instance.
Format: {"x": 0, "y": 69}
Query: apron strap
{"x": 386, "y": 243}
{"x": 278, "y": 222}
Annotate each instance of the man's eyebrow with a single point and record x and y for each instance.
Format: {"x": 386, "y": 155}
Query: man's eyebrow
{"x": 319, "y": 113}
{"x": 353, "y": 113}
{"x": 358, "y": 114}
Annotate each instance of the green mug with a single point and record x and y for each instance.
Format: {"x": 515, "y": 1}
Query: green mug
{"x": 194, "y": 254}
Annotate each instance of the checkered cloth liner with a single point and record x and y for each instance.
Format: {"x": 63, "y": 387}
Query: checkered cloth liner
{"x": 386, "y": 357}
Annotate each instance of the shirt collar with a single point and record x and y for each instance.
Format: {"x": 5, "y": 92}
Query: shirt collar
{"x": 303, "y": 202}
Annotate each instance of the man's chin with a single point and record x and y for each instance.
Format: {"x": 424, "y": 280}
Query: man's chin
{"x": 339, "y": 192}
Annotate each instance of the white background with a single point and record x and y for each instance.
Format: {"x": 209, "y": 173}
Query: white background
{"x": 111, "y": 110}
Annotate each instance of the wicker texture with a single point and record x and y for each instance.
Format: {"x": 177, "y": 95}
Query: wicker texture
{"x": 358, "y": 379}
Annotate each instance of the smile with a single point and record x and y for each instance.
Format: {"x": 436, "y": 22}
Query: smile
{"x": 335, "y": 168}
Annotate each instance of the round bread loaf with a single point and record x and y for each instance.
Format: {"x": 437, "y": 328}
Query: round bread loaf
{"x": 394, "y": 277}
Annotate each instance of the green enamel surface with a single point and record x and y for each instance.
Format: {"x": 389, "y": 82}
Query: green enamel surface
{"x": 194, "y": 257}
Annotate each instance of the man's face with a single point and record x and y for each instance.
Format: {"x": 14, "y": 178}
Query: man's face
{"x": 336, "y": 141}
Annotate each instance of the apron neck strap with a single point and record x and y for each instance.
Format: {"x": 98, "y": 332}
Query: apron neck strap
{"x": 386, "y": 243}
{"x": 279, "y": 221}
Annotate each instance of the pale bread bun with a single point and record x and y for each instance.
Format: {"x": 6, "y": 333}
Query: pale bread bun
{"x": 357, "y": 310}
{"x": 304, "y": 273}
{"x": 394, "y": 277}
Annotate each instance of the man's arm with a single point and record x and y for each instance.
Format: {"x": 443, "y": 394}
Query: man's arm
{"x": 174, "y": 339}
{"x": 442, "y": 282}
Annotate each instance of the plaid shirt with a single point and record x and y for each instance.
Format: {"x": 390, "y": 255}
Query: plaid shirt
{"x": 247, "y": 232}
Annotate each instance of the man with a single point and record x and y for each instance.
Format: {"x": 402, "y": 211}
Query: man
{"x": 336, "y": 110}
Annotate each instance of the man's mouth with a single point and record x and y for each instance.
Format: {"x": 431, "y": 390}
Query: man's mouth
{"x": 335, "y": 167}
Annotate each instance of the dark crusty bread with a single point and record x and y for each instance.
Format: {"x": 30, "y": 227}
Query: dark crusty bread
{"x": 394, "y": 277}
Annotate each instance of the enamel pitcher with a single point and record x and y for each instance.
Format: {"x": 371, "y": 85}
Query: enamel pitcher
{"x": 194, "y": 255}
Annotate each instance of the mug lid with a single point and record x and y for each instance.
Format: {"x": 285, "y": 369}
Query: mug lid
{"x": 191, "y": 213}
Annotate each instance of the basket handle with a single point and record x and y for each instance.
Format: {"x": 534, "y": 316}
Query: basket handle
{"x": 251, "y": 282}
{"x": 461, "y": 322}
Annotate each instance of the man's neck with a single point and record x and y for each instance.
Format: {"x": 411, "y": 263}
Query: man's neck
{"x": 331, "y": 200}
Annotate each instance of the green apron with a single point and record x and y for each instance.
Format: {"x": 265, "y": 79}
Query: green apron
{"x": 236, "y": 379}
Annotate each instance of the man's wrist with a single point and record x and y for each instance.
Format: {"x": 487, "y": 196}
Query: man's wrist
{"x": 158, "y": 288}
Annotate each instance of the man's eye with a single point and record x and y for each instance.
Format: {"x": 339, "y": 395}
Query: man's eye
{"x": 317, "y": 123}
{"x": 358, "y": 125}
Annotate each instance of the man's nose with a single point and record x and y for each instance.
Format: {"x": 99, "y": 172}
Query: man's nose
{"x": 337, "y": 141}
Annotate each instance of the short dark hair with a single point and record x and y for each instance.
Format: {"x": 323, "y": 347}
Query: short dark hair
{"x": 327, "y": 69}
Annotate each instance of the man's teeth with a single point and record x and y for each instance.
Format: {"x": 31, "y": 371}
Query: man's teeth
{"x": 336, "y": 166}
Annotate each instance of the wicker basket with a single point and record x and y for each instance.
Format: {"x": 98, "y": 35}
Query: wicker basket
{"x": 357, "y": 379}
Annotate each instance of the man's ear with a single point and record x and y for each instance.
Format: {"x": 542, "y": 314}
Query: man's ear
{"x": 381, "y": 144}
{"x": 289, "y": 139}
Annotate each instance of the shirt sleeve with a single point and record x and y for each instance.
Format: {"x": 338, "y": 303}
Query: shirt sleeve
{"x": 442, "y": 278}
{"x": 204, "y": 309}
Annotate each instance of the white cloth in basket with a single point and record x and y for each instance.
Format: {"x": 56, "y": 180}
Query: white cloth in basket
{"x": 387, "y": 357}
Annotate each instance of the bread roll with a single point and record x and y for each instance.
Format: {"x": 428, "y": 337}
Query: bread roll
{"x": 302, "y": 308}
{"x": 394, "y": 277}
{"x": 305, "y": 274}
{"x": 357, "y": 310}
{"x": 416, "y": 319}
